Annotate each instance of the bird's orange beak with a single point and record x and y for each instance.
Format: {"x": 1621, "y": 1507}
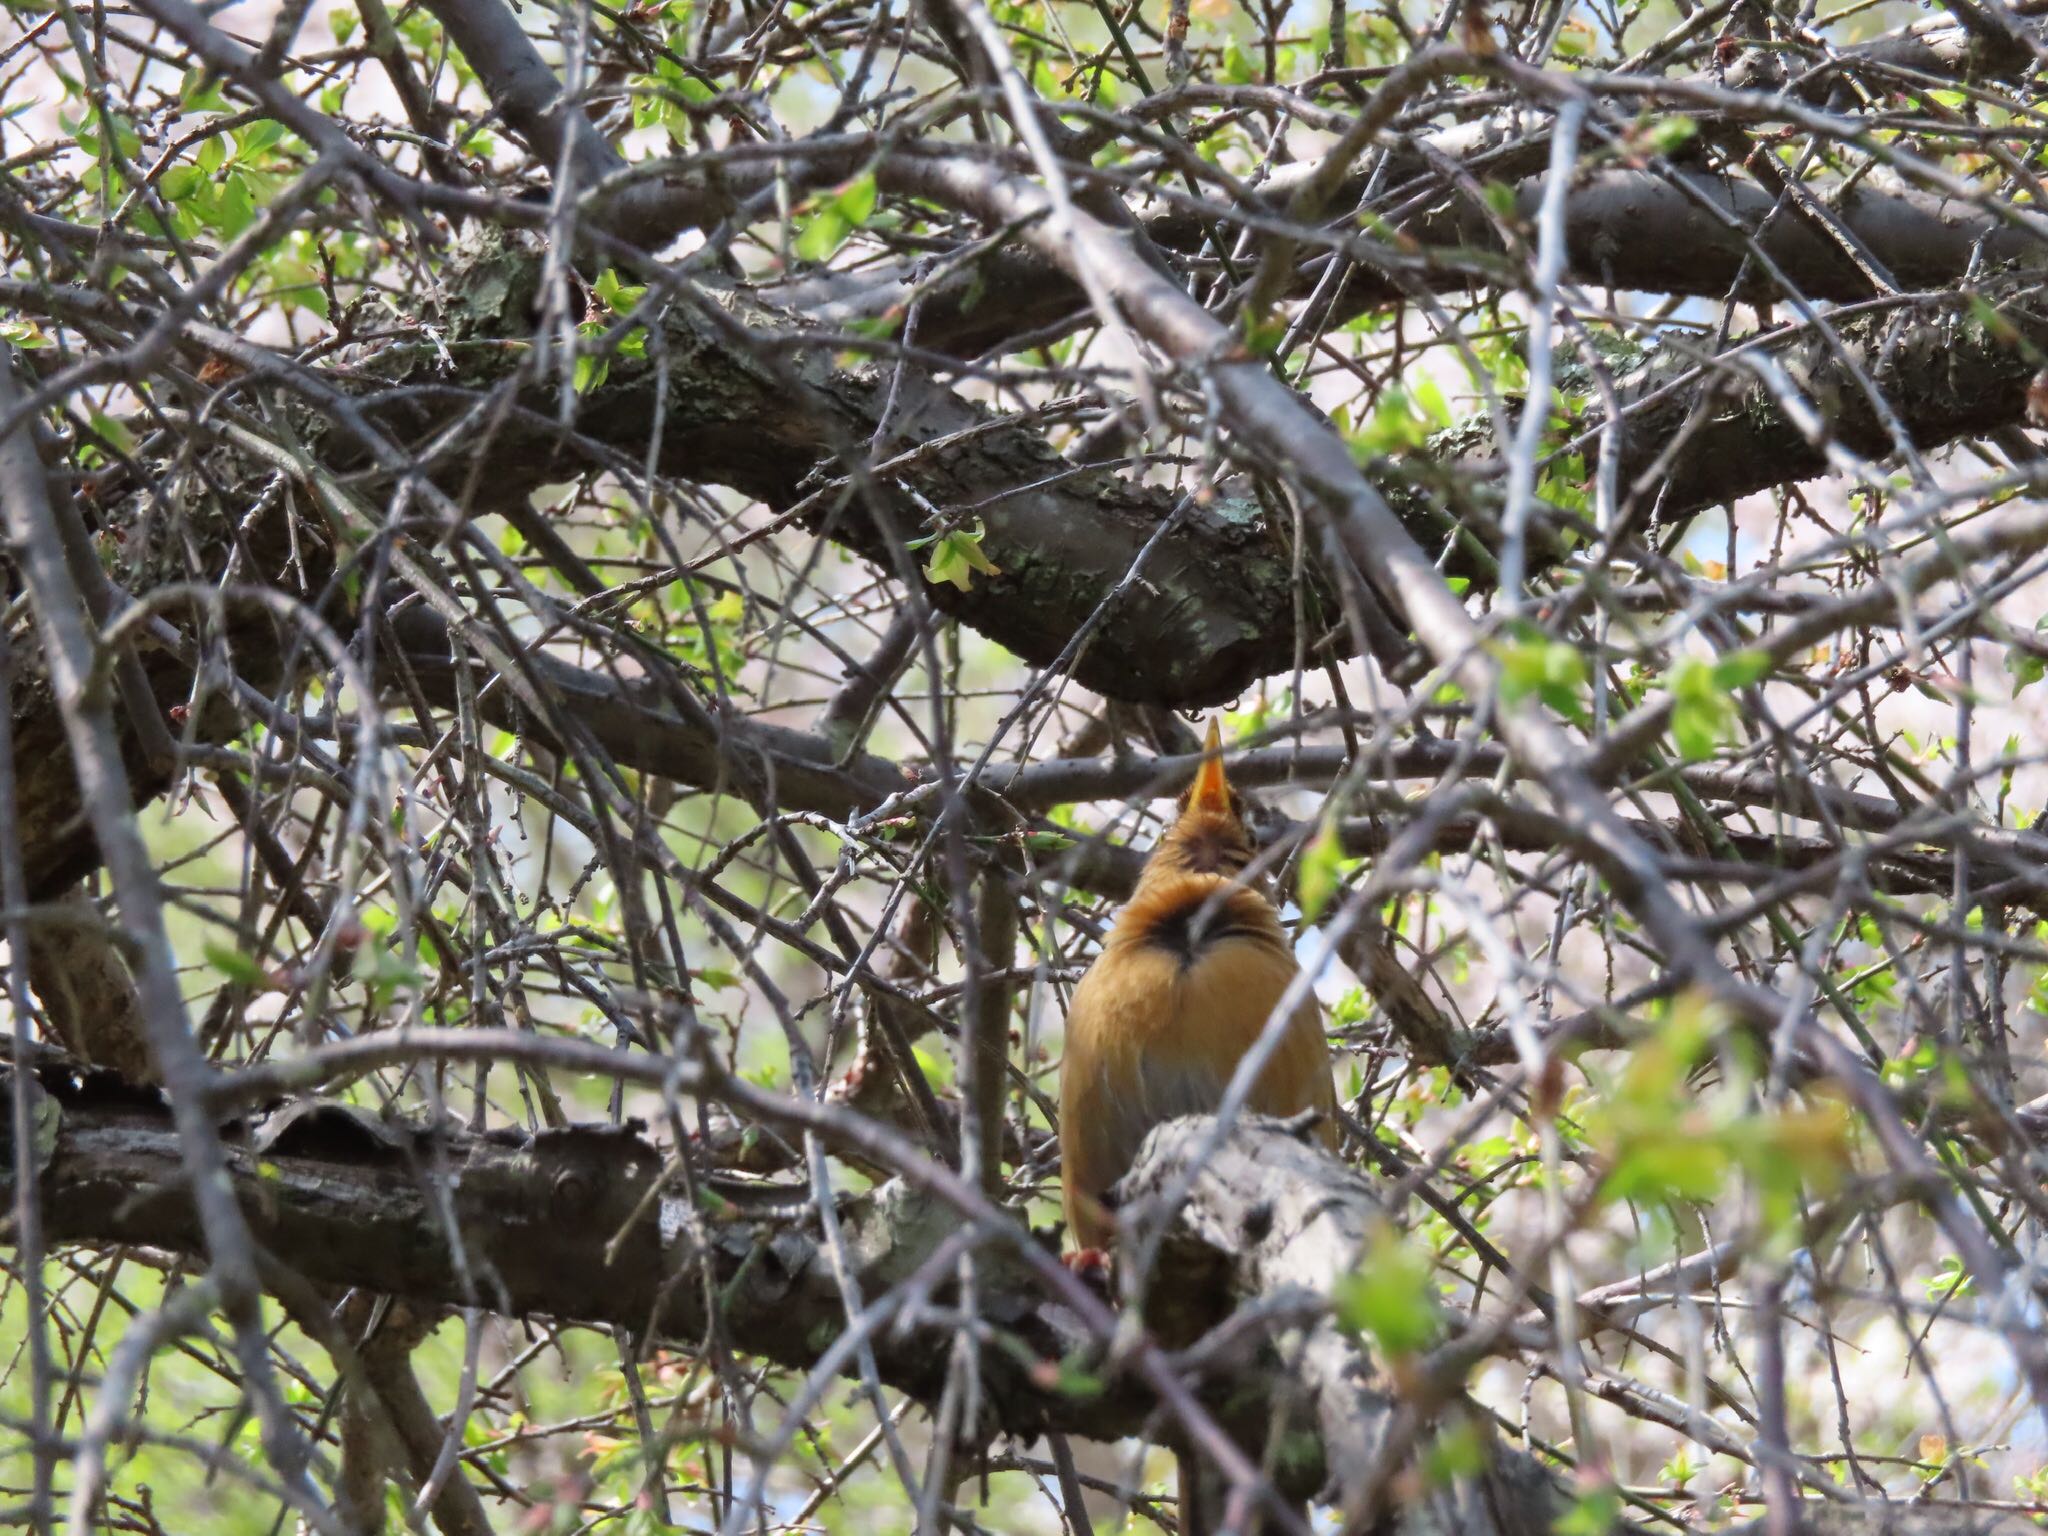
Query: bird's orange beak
{"x": 1211, "y": 790}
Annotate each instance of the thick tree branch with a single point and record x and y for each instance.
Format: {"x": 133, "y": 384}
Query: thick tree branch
{"x": 348, "y": 1199}
{"x": 1269, "y": 1225}
{"x": 1181, "y": 615}
{"x": 1693, "y": 439}
{"x": 1624, "y": 228}
{"x": 1688, "y": 232}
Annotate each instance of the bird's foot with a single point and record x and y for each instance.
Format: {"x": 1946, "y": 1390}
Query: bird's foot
{"x": 1091, "y": 1266}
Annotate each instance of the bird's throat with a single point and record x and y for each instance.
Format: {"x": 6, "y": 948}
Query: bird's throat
{"x": 1206, "y": 850}
{"x": 1191, "y": 918}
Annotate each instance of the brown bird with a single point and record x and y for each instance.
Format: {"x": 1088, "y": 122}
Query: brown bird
{"x": 1196, "y": 963}
{"x": 1193, "y": 968}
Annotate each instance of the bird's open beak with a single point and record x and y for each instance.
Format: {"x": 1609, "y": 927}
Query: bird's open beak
{"x": 1211, "y": 791}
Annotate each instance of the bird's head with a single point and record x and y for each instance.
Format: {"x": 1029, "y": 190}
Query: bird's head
{"x": 1209, "y": 837}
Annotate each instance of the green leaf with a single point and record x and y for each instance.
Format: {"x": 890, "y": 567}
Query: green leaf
{"x": 257, "y": 137}
{"x": 1668, "y": 135}
{"x": 1696, "y": 728}
{"x": 1703, "y": 707}
{"x": 1070, "y": 1380}
{"x": 591, "y": 368}
{"x": 1951, "y": 1279}
{"x": 1263, "y": 333}
{"x": 1321, "y": 872}
{"x": 1573, "y": 40}
{"x": 1238, "y": 68}
{"x": 200, "y": 91}
{"x": 856, "y": 200}
{"x": 1672, "y": 1162}
{"x": 2026, "y": 668}
{"x": 827, "y": 228}
{"x": 1739, "y": 669}
{"x": 179, "y": 183}
{"x": 1594, "y": 1512}
{"x": 1460, "y": 1451}
{"x": 956, "y": 556}
{"x": 1428, "y": 396}
{"x": 1395, "y": 426}
{"x": 385, "y": 973}
{"x": 1549, "y": 669}
{"x": 822, "y": 234}
{"x": 1391, "y": 1296}
{"x": 236, "y": 209}
{"x": 236, "y": 965}
{"x": 619, "y": 296}
{"x": 117, "y": 435}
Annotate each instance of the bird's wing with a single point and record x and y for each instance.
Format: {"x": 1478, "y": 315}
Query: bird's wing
{"x": 1299, "y": 1077}
{"x": 1149, "y": 1040}
{"x": 1115, "y": 1085}
{"x": 1229, "y": 999}
{"x": 1105, "y": 1112}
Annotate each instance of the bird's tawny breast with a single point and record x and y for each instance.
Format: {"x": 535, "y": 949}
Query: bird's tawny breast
{"x": 1191, "y": 973}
